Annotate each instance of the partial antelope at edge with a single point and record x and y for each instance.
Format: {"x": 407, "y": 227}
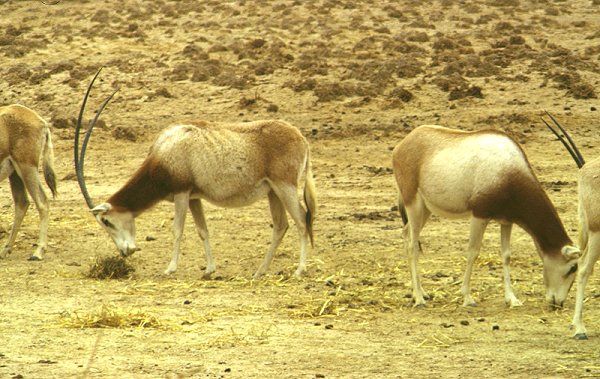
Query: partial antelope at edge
{"x": 589, "y": 220}
{"x": 25, "y": 138}
{"x": 484, "y": 175}
{"x": 229, "y": 165}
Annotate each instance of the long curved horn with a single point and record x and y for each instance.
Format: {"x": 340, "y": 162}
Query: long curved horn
{"x": 568, "y": 143}
{"x": 80, "y": 156}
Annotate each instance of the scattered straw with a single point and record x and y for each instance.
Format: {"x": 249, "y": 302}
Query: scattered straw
{"x": 438, "y": 341}
{"x": 108, "y": 316}
{"x": 113, "y": 267}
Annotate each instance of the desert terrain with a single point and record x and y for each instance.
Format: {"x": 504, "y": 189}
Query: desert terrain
{"x": 355, "y": 77}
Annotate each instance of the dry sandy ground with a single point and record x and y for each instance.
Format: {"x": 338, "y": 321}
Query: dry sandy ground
{"x": 355, "y": 77}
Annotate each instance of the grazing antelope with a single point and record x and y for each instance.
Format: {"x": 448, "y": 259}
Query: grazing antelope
{"x": 230, "y": 165}
{"x": 487, "y": 176}
{"x": 589, "y": 221}
{"x": 24, "y": 138}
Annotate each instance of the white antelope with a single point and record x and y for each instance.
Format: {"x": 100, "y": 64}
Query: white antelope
{"x": 589, "y": 222}
{"x": 24, "y": 138}
{"x": 484, "y": 175}
{"x": 230, "y": 165}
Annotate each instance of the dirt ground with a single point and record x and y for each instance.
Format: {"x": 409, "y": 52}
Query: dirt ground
{"x": 354, "y": 77}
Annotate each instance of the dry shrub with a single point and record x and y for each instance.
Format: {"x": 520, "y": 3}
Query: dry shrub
{"x": 108, "y": 316}
{"x": 113, "y": 267}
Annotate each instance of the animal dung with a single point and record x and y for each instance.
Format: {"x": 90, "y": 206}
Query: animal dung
{"x": 113, "y": 267}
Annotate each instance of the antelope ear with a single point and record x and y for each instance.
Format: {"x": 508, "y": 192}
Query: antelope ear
{"x": 571, "y": 252}
{"x": 102, "y": 208}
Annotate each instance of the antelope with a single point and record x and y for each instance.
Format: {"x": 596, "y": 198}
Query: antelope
{"x": 484, "y": 175}
{"x": 24, "y": 138}
{"x": 229, "y": 165}
{"x": 589, "y": 221}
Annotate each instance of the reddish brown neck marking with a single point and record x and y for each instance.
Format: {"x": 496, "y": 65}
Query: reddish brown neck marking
{"x": 148, "y": 185}
{"x": 524, "y": 202}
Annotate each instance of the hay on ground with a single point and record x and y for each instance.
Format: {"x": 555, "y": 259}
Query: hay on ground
{"x": 109, "y": 316}
{"x": 113, "y": 267}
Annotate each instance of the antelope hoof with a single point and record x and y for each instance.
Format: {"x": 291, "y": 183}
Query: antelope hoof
{"x": 419, "y": 301}
{"x": 5, "y": 253}
{"x": 34, "y": 258}
{"x": 207, "y": 275}
{"x": 514, "y": 303}
{"x": 470, "y": 303}
{"x": 299, "y": 273}
{"x": 580, "y": 336}
{"x": 171, "y": 269}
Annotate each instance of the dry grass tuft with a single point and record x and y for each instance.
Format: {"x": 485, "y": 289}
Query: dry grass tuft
{"x": 113, "y": 267}
{"x": 108, "y": 316}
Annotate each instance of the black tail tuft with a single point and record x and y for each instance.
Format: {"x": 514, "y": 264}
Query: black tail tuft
{"x": 403, "y": 215}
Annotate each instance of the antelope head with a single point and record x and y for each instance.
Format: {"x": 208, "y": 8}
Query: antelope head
{"x": 118, "y": 222}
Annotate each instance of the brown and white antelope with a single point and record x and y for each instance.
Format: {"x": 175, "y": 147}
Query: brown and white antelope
{"x": 25, "y": 138}
{"x": 484, "y": 175}
{"x": 229, "y": 165}
{"x": 589, "y": 221}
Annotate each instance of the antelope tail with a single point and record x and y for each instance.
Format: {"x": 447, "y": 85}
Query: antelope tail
{"x": 48, "y": 162}
{"x": 402, "y": 209}
{"x": 310, "y": 198}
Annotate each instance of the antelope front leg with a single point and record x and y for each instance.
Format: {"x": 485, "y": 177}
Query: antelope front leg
{"x": 509, "y": 295}
{"x": 181, "y": 202}
{"x": 586, "y": 267}
{"x": 412, "y": 250}
{"x": 201, "y": 227}
{"x": 477, "y": 229}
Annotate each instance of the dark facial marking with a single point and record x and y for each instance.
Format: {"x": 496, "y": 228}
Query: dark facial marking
{"x": 107, "y": 223}
{"x": 572, "y": 270}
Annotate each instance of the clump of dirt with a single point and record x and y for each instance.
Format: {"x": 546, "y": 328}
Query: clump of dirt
{"x": 161, "y": 92}
{"x": 417, "y": 36}
{"x": 409, "y": 68}
{"x": 461, "y": 93}
{"x": 400, "y": 93}
{"x": 125, "y": 133}
{"x": 574, "y": 84}
{"x": 18, "y": 73}
{"x": 307, "y": 84}
{"x": 373, "y": 71}
{"x": 113, "y": 267}
{"x": 329, "y": 91}
{"x": 311, "y": 63}
{"x": 450, "y": 82}
{"x": 64, "y": 123}
{"x": 470, "y": 65}
{"x": 228, "y": 78}
{"x": 193, "y": 51}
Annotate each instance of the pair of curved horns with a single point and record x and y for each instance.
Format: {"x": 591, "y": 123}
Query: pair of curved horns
{"x": 80, "y": 155}
{"x": 568, "y": 142}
